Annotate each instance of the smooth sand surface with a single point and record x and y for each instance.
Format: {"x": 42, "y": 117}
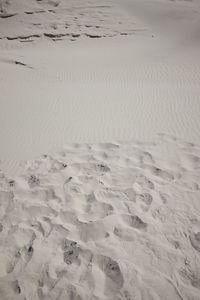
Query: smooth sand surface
{"x": 114, "y": 87}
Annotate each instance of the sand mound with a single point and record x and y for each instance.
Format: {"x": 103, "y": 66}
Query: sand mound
{"x": 103, "y": 221}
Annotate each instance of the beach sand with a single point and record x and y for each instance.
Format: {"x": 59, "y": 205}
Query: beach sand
{"x": 100, "y": 150}
{"x": 139, "y": 78}
{"x": 103, "y": 221}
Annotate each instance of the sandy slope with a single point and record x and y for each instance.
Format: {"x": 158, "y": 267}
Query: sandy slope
{"x": 96, "y": 90}
{"x": 99, "y": 220}
{"x": 103, "y": 221}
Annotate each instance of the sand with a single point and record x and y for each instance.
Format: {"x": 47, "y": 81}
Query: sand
{"x": 119, "y": 87}
{"x": 100, "y": 150}
{"x": 103, "y": 221}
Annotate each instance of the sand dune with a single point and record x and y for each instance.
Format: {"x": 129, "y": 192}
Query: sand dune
{"x": 103, "y": 221}
{"x": 96, "y": 90}
{"x": 52, "y": 94}
{"x": 99, "y": 219}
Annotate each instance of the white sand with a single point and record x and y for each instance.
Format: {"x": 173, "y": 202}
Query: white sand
{"x": 96, "y": 90}
{"x": 99, "y": 219}
{"x": 103, "y": 221}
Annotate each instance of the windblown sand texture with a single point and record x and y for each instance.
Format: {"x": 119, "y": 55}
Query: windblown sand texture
{"x": 115, "y": 214}
{"x": 62, "y": 19}
{"x": 138, "y": 76}
{"x": 103, "y": 221}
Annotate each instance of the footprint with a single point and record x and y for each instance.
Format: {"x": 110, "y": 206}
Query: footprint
{"x": 92, "y": 168}
{"x": 33, "y": 181}
{"x": 45, "y": 281}
{"x": 164, "y": 198}
{"x": 6, "y": 201}
{"x": 97, "y": 210}
{"x": 146, "y": 157}
{"x": 72, "y": 293}
{"x": 162, "y": 213}
{"x": 123, "y": 233}
{"x": 69, "y": 217}
{"x": 45, "y": 226}
{"x": 131, "y": 194}
{"x": 91, "y": 198}
{"x": 146, "y": 200}
{"x": 191, "y": 161}
{"x": 195, "y": 240}
{"x": 134, "y": 221}
{"x": 114, "y": 278}
{"x": 92, "y": 231}
{"x": 21, "y": 259}
{"x": 71, "y": 252}
{"x": 10, "y": 266}
{"x": 47, "y": 164}
{"x": 164, "y": 175}
{"x": 143, "y": 182}
{"x": 20, "y": 237}
{"x": 191, "y": 277}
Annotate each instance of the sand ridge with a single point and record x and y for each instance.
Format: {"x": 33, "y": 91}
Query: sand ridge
{"x": 24, "y": 22}
{"x": 103, "y": 221}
